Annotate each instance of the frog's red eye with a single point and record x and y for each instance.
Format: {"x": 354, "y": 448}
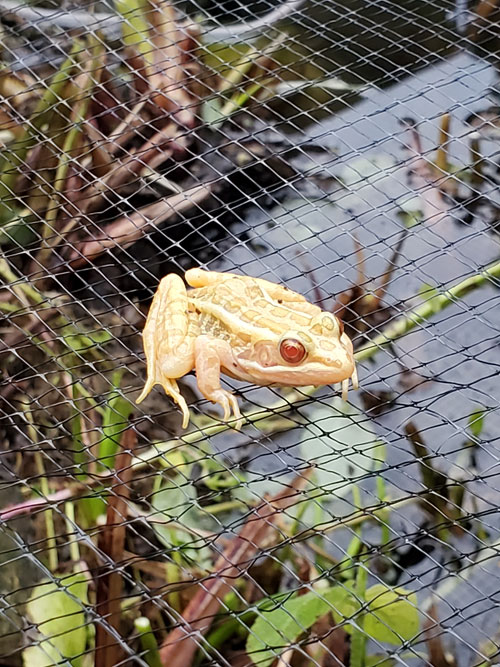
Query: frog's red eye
{"x": 292, "y": 351}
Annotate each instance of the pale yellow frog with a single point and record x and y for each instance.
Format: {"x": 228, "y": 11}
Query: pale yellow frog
{"x": 247, "y": 328}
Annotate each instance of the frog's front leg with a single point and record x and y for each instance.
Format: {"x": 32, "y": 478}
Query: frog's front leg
{"x": 208, "y": 366}
{"x": 168, "y": 342}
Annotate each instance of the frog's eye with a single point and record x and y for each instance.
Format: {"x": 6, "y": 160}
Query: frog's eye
{"x": 292, "y": 350}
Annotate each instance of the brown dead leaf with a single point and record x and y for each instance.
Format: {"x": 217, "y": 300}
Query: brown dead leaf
{"x": 433, "y": 631}
{"x": 129, "y": 228}
{"x": 166, "y": 75}
{"x": 427, "y": 178}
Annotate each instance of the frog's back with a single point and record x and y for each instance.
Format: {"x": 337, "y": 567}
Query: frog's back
{"x": 242, "y": 305}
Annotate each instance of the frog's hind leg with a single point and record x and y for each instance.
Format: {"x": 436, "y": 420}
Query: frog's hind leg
{"x": 171, "y": 389}
{"x": 167, "y": 344}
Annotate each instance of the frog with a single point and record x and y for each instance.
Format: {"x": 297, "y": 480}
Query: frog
{"x": 247, "y": 328}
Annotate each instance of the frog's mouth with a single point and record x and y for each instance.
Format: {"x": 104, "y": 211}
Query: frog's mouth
{"x": 269, "y": 377}
{"x": 263, "y": 365}
{"x": 306, "y": 374}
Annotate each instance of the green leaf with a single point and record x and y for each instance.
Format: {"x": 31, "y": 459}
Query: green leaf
{"x": 410, "y": 218}
{"x": 276, "y": 629}
{"x": 379, "y": 660}
{"x": 59, "y": 617}
{"x": 19, "y": 228}
{"x": 344, "y": 448}
{"x": 392, "y": 617}
{"x": 84, "y": 341}
{"x": 211, "y": 110}
{"x": 135, "y": 28}
{"x": 476, "y": 422}
{"x": 392, "y": 614}
{"x": 410, "y": 211}
{"x": 343, "y": 602}
{"x": 176, "y": 502}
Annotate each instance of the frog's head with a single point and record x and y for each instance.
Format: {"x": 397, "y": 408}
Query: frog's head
{"x": 318, "y": 354}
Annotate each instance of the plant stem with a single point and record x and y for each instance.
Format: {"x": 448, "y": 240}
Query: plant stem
{"x": 235, "y": 77}
{"x": 135, "y": 27}
{"x": 91, "y": 78}
{"x": 74, "y": 550}
{"x": 404, "y": 324}
{"x": 239, "y": 69}
{"x": 441, "y": 161}
{"x": 382, "y": 495}
{"x": 18, "y": 285}
{"x": 238, "y": 100}
{"x": 44, "y": 488}
{"x": 355, "y": 544}
{"x": 115, "y": 420}
{"x": 358, "y": 638}
{"x": 173, "y": 575}
{"x": 8, "y": 307}
{"x": 148, "y": 641}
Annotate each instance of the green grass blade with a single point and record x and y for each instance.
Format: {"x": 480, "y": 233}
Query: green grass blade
{"x": 115, "y": 419}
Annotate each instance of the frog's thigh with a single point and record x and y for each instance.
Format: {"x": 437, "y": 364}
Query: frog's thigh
{"x": 167, "y": 344}
{"x": 208, "y": 377}
{"x": 168, "y": 347}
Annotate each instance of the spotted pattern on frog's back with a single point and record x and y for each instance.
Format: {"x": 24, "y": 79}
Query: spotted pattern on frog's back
{"x": 236, "y": 301}
{"x": 208, "y": 324}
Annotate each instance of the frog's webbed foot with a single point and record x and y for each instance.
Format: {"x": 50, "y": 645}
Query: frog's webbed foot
{"x": 229, "y": 403}
{"x": 208, "y": 378}
{"x": 172, "y": 390}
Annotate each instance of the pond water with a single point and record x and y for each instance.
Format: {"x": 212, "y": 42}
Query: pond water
{"x": 308, "y": 240}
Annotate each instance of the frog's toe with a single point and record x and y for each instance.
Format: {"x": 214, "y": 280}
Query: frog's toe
{"x": 236, "y": 411}
{"x": 185, "y": 411}
{"x": 354, "y": 378}
{"x": 147, "y": 388}
{"x": 223, "y": 401}
{"x": 171, "y": 388}
{"x": 228, "y": 403}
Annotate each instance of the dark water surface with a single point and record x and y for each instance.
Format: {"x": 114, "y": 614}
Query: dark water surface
{"x": 454, "y": 357}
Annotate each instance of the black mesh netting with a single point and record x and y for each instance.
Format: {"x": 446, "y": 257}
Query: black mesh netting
{"x": 346, "y": 150}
